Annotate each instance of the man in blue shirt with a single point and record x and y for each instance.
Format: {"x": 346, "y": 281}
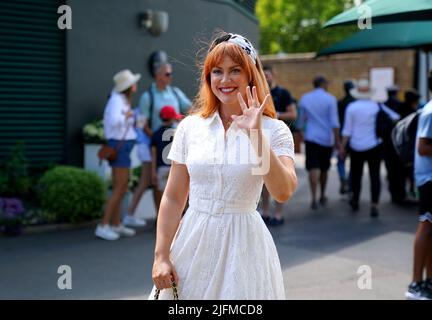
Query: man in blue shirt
{"x": 319, "y": 121}
{"x": 421, "y": 289}
{"x": 161, "y": 94}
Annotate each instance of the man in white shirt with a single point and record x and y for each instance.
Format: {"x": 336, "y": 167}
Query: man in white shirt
{"x": 360, "y": 130}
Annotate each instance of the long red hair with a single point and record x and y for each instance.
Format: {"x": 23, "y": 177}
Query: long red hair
{"x": 206, "y": 103}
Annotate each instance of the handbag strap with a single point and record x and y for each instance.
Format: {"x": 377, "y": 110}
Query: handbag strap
{"x": 123, "y": 138}
{"x": 174, "y": 291}
{"x": 149, "y": 120}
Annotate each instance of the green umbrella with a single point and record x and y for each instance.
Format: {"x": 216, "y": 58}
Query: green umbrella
{"x": 386, "y": 11}
{"x": 383, "y": 36}
{"x": 397, "y": 35}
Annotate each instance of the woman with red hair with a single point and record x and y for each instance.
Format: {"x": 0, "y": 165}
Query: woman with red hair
{"x": 221, "y": 155}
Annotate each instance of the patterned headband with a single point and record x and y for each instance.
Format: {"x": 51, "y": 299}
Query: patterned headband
{"x": 245, "y": 45}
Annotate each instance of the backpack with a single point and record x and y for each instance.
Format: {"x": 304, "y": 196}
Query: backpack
{"x": 384, "y": 123}
{"x": 404, "y": 138}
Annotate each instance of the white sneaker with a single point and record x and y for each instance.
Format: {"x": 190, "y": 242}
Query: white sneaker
{"x": 105, "y": 232}
{"x": 121, "y": 230}
{"x": 132, "y": 221}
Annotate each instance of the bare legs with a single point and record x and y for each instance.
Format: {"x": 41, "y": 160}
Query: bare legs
{"x": 313, "y": 183}
{"x": 144, "y": 183}
{"x": 120, "y": 179}
{"x": 317, "y": 176}
{"x": 423, "y": 251}
{"x": 323, "y": 183}
{"x": 266, "y": 206}
{"x": 278, "y": 211}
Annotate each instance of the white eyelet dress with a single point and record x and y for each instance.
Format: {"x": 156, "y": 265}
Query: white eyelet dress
{"x": 223, "y": 249}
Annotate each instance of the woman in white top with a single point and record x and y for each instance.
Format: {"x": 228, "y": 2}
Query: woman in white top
{"x": 222, "y": 248}
{"x": 120, "y": 134}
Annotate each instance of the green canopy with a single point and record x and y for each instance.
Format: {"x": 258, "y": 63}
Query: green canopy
{"x": 397, "y": 35}
{"x": 387, "y": 11}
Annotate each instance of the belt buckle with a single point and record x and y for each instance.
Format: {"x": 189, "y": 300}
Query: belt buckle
{"x": 218, "y": 207}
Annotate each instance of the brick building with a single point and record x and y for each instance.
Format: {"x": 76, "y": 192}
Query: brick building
{"x": 296, "y": 71}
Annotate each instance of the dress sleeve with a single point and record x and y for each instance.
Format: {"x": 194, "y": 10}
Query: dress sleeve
{"x": 282, "y": 142}
{"x": 178, "y": 152}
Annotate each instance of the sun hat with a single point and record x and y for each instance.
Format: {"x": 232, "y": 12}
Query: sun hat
{"x": 362, "y": 90}
{"x": 124, "y": 80}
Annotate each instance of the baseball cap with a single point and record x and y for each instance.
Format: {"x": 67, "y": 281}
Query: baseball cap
{"x": 168, "y": 113}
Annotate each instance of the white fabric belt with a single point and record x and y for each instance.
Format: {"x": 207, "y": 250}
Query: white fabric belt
{"x": 212, "y": 206}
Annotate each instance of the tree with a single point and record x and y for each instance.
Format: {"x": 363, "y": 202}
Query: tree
{"x": 296, "y": 25}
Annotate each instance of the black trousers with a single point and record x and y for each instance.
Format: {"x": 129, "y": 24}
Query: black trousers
{"x": 396, "y": 172}
{"x": 373, "y": 157}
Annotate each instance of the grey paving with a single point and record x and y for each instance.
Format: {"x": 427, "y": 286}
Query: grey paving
{"x": 320, "y": 252}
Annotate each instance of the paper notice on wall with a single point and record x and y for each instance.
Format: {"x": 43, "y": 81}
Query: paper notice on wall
{"x": 381, "y": 79}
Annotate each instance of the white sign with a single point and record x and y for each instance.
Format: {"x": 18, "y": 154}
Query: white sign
{"x": 381, "y": 79}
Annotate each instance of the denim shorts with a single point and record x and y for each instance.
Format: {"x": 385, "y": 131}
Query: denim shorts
{"x": 123, "y": 159}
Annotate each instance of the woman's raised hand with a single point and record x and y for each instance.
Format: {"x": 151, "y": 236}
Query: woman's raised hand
{"x": 252, "y": 111}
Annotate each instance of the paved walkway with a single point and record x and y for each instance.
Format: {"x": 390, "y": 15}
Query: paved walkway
{"x": 321, "y": 252}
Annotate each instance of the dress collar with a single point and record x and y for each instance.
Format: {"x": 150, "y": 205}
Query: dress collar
{"x": 213, "y": 119}
{"x": 208, "y": 121}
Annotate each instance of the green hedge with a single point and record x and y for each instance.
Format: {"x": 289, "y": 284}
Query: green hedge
{"x": 15, "y": 180}
{"x": 69, "y": 194}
